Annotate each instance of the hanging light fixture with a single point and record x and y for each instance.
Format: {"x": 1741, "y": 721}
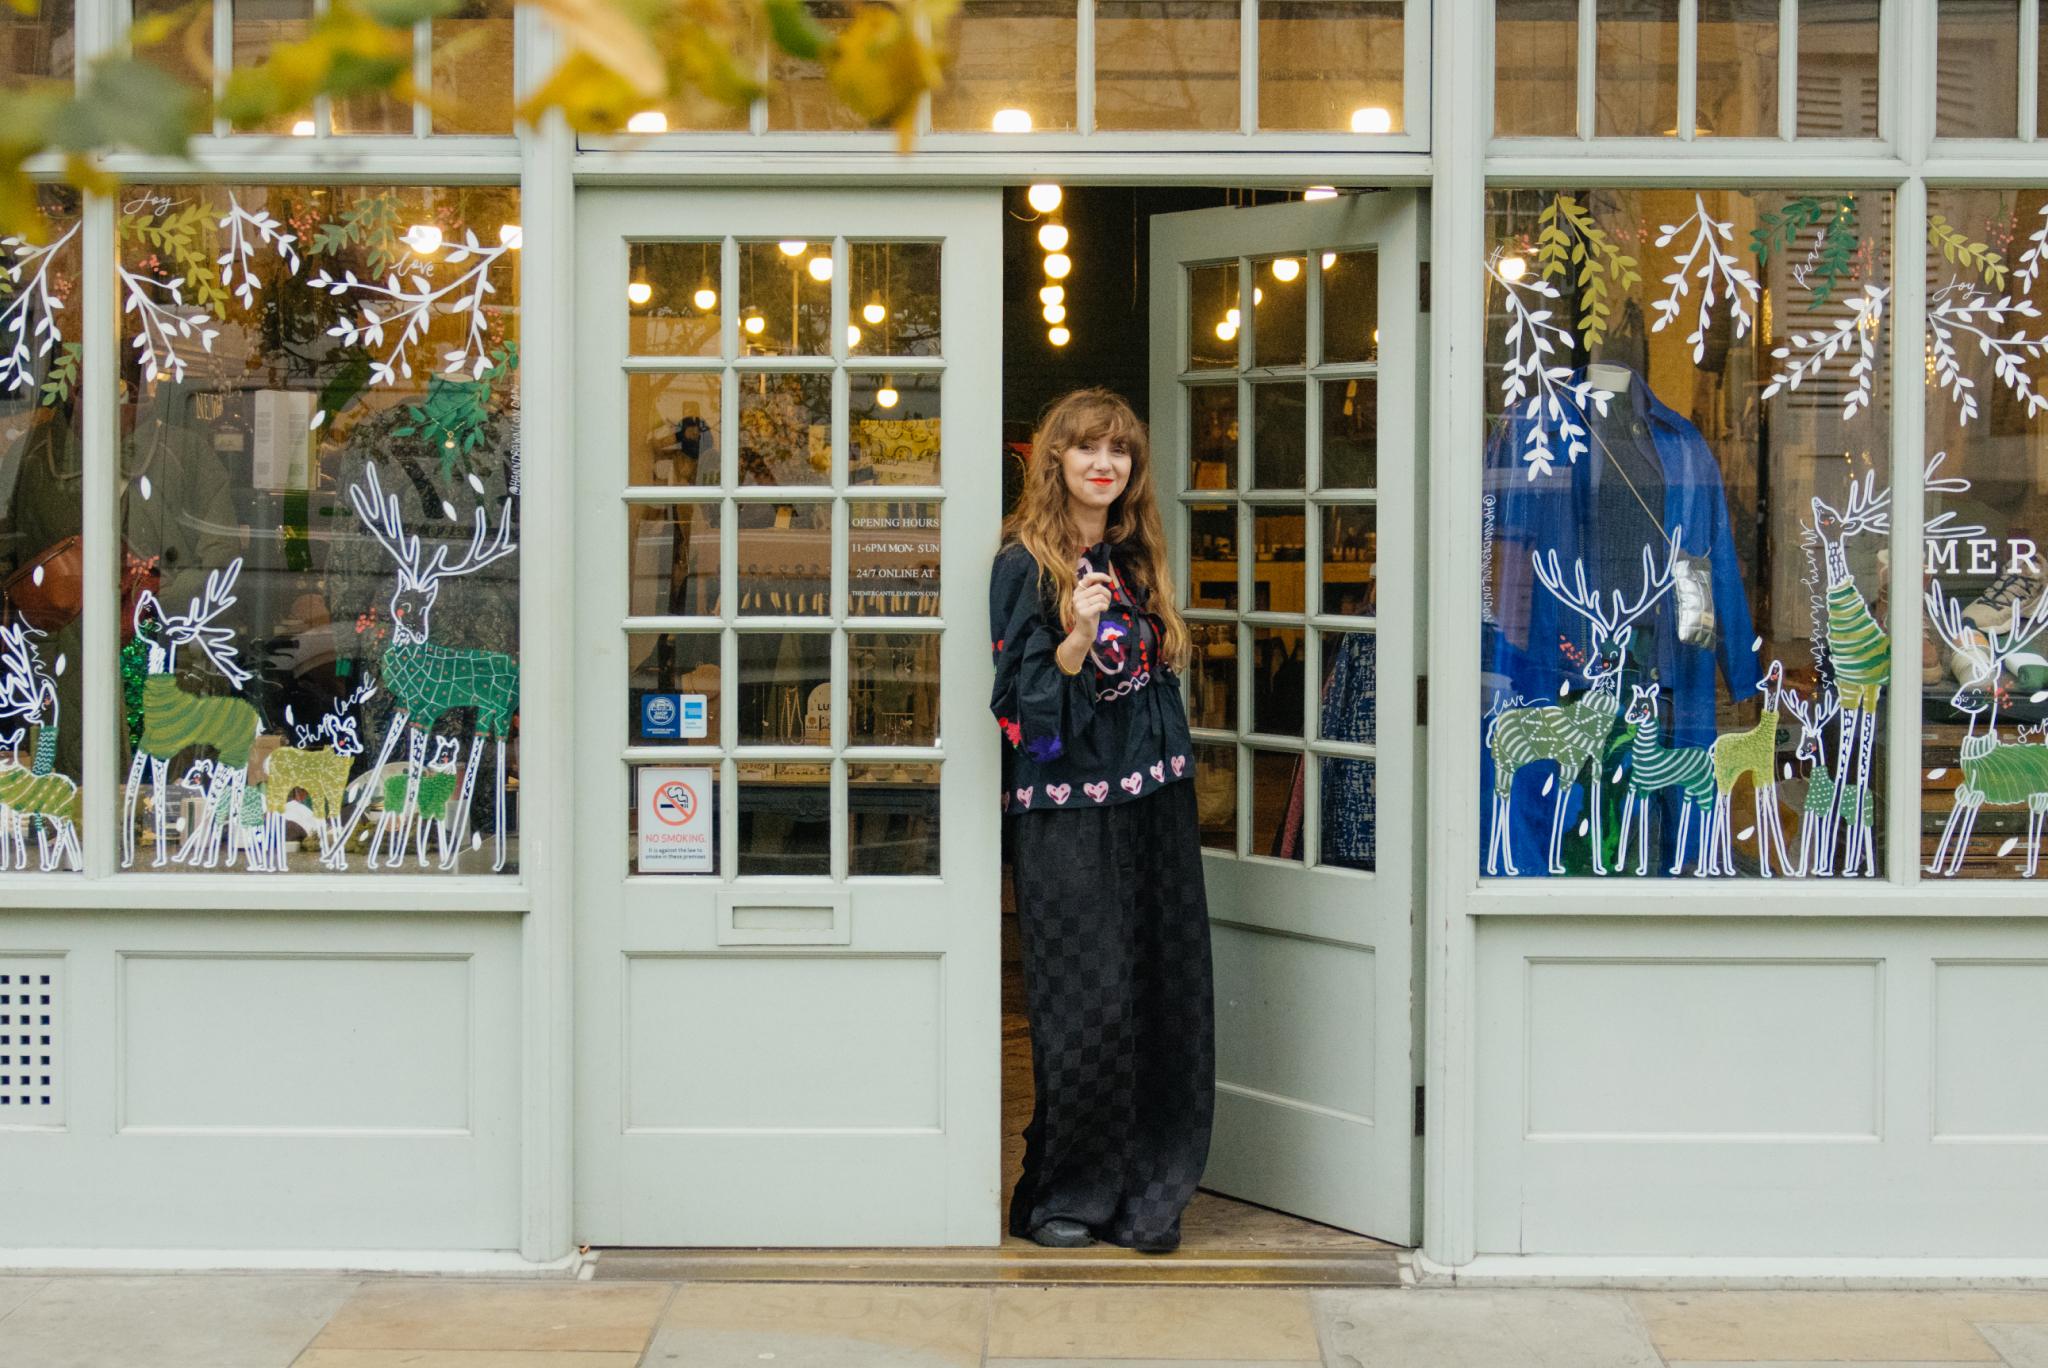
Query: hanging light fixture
{"x": 706, "y": 298}
{"x": 639, "y": 292}
{"x": 509, "y": 234}
{"x": 1057, "y": 265}
{"x": 874, "y": 312}
{"x": 648, "y": 121}
{"x": 1286, "y": 268}
{"x": 1052, "y": 237}
{"x": 1372, "y": 119}
{"x": 793, "y": 247}
{"x": 1058, "y": 336}
{"x": 423, "y": 238}
{"x": 1011, "y": 121}
{"x": 1055, "y": 313}
{"x": 886, "y": 396}
{"x": 1320, "y": 192}
{"x": 1043, "y": 198}
{"x": 821, "y": 268}
{"x": 852, "y": 336}
{"x": 303, "y": 129}
{"x": 753, "y": 322}
{"x": 1052, "y": 294}
{"x": 1513, "y": 268}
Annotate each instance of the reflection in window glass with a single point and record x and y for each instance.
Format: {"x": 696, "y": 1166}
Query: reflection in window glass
{"x": 893, "y": 811}
{"x": 1280, "y": 313}
{"x": 1536, "y": 68}
{"x": 370, "y": 113}
{"x": 799, "y": 97}
{"x": 1350, "y": 688}
{"x": 893, "y": 431}
{"x": 1350, "y": 814}
{"x": 1983, "y": 690}
{"x": 672, "y": 683}
{"x": 1167, "y": 65}
{"x": 674, "y": 422}
{"x": 1279, "y": 581}
{"x": 672, "y": 298}
{"x": 1277, "y": 807}
{"x": 892, "y": 688}
{"x": 1738, "y": 68}
{"x": 1635, "y": 80}
{"x": 1350, "y": 548}
{"x": 1279, "y": 436}
{"x": 785, "y": 559}
{"x": 1212, "y": 676}
{"x": 42, "y": 637}
{"x": 785, "y": 429}
{"x": 38, "y": 46}
{"x": 1351, "y": 433}
{"x": 1838, "y": 68}
{"x": 259, "y": 26}
{"x": 1277, "y": 674}
{"x": 1351, "y": 306}
{"x": 674, "y": 551}
{"x": 1668, "y": 583}
{"x": 191, "y": 38}
{"x": 892, "y": 560}
{"x": 472, "y": 68}
{"x": 332, "y": 518}
{"x": 1212, "y": 556}
{"x": 786, "y": 298}
{"x": 1216, "y": 795}
{"x": 893, "y": 291}
{"x": 1212, "y": 317}
{"x": 1330, "y": 66}
{"x": 1009, "y": 55}
{"x": 785, "y": 693}
{"x": 1212, "y": 437}
{"x": 1977, "y": 69}
{"x": 785, "y": 818}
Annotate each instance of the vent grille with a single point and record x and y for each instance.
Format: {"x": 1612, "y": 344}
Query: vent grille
{"x": 31, "y": 1043}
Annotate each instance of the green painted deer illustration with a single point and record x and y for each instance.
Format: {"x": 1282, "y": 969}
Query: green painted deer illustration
{"x": 1861, "y": 653}
{"x": 1654, "y": 767}
{"x": 1813, "y": 719}
{"x": 1753, "y": 752}
{"x": 1994, "y": 774}
{"x": 37, "y": 795}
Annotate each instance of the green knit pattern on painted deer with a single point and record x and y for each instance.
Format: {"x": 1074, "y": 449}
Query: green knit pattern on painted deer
{"x": 2008, "y": 775}
{"x": 40, "y": 795}
{"x": 174, "y": 719}
{"x": 1654, "y": 767}
{"x": 435, "y": 791}
{"x": 1860, "y": 648}
{"x": 428, "y": 680}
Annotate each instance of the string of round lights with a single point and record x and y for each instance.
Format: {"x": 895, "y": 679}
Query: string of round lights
{"x": 1053, "y": 237}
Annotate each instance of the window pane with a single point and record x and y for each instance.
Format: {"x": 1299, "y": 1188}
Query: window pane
{"x": 1279, "y": 436}
{"x": 892, "y": 560}
{"x": 1350, "y": 813}
{"x": 1166, "y": 65}
{"x": 1212, "y": 317}
{"x": 785, "y": 818}
{"x": 259, "y": 26}
{"x": 894, "y": 812}
{"x": 1977, "y": 69}
{"x": 1983, "y": 692}
{"x": 786, "y": 298}
{"x": 1351, "y": 306}
{"x": 1350, "y": 687}
{"x": 193, "y": 36}
{"x": 674, "y": 550}
{"x": 342, "y": 506}
{"x": 1277, "y": 804}
{"x": 1536, "y": 68}
{"x": 368, "y": 114}
{"x": 673, "y": 688}
{"x": 37, "y": 46}
{"x": 674, "y": 422}
{"x": 1212, "y": 437}
{"x": 42, "y": 641}
{"x": 1738, "y": 69}
{"x": 1216, "y": 795}
{"x": 893, "y": 684}
{"x": 785, "y": 694}
{"x": 894, "y": 434}
{"x": 799, "y": 97}
{"x": 893, "y": 290}
{"x": 1330, "y": 66}
{"x": 1351, "y": 434}
{"x": 1009, "y": 55}
{"x": 1280, "y": 313}
{"x": 1280, "y": 578}
{"x": 785, "y": 559}
{"x": 1635, "y": 84}
{"x": 785, "y": 429}
{"x": 672, "y": 298}
{"x": 1212, "y": 556}
{"x": 1277, "y": 665}
{"x": 1350, "y": 548}
{"x": 1667, "y": 583}
{"x": 1838, "y": 70}
{"x": 472, "y": 68}
{"x": 1212, "y": 676}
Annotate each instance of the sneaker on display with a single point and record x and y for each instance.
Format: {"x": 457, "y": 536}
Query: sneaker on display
{"x": 1992, "y": 610}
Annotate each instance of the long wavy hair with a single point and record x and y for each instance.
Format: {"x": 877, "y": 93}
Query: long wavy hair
{"x": 1044, "y": 525}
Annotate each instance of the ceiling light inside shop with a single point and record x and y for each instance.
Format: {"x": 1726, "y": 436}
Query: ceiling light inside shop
{"x": 707, "y": 300}
{"x": 1052, "y": 237}
{"x": 303, "y": 129}
{"x": 793, "y": 247}
{"x": 1052, "y": 294}
{"x": 852, "y": 336}
{"x": 1058, "y": 337}
{"x": 755, "y": 323}
{"x": 1372, "y": 119}
{"x": 1513, "y": 268}
{"x": 1055, "y": 313}
{"x": 423, "y": 238}
{"x": 1057, "y": 266}
{"x": 511, "y": 236}
{"x": 1012, "y": 121}
{"x": 886, "y": 396}
{"x": 1227, "y": 331}
{"x": 639, "y": 292}
{"x": 1232, "y": 319}
{"x": 1329, "y": 260}
{"x": 1044, "y": 198}
{"x": 1286, "y": 268}
{"x": 874, "y": 313}
{"x": 821, "y": 268}
{"x": 648, "y": 121}
{"x": 1317, "y": 192}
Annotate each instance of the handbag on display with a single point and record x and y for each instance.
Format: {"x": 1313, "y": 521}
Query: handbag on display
{"x": 49, "y": 592}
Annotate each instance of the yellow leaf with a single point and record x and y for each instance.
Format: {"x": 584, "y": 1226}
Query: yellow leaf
{"x": 25, "y": 7}
{"x": 85, "y": 172}
{"x": 613, "y": 38}
{"x": 882, "y": 63}
{"x": 592, "y": 97}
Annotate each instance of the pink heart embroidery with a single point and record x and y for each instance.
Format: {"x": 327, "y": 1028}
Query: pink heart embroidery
{"x": 1096, "y": 791}
{"x": 1134, "y": 783}
{"x": 1059, "y": 793}
{"x": 1024, "y": 796}
{"x": 1159, "y": 773}
{"x": 1180, "y": 762}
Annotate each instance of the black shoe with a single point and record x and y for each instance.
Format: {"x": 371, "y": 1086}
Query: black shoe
{"x": 1157, "y": 1246}
{"x": 1061, "y": 1233}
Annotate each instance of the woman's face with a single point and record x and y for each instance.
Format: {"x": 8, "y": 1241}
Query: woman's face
{"x": 1097, "y": 471}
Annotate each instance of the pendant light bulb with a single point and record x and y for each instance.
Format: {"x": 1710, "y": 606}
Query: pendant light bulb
{"x": 886, "y": 396}
{"x": 1052, "y": 294}
{"x": 706, "y": 299}
{"x": 1044, "y": 198}
{"x": 1057, "y": 265}
{"x": 792, "y": 247}
{"x": 1058, "y": 336}
{"x": 639, "y": 292}
{"x": 1052, "y": 237}
{"x": 874, "y": 313}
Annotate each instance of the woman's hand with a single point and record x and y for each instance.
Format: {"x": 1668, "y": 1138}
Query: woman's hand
{"x": 1091, "y": 601}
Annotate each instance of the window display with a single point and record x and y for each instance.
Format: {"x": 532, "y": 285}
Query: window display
{"x": 1685, "y": 533}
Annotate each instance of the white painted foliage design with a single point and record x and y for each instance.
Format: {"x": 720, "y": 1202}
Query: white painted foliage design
{"x": 1960, "y": 308}
{"x": 239, "y": 224}
{"x": 1853, "y": 334}
{"x": 1720, "y": 274}
{"x": 1551, "y": 401}
{"x": 29, "y": 317}
{"x": 408, "y": 300}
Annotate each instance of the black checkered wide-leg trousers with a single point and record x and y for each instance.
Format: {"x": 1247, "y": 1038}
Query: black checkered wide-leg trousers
{"x": 1123, "y": 1017}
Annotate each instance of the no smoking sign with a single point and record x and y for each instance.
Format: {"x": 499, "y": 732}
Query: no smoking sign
{"x": 675, "y": 820}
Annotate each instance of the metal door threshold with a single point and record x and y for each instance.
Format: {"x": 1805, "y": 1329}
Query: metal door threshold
{"x": 1005, "y": 1265}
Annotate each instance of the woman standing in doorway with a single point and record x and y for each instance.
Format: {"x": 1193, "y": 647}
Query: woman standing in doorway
{"x": 1106, "y": 847}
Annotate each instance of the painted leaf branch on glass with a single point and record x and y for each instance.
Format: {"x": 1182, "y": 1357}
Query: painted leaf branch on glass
{"x": 1854, "y": 335}
{"x": 1715, "y": 266}
{"x": 1958, "y": 308}
{"x": 1568, "y": 237}
{"x": 1958, "y": 250}
{"x": 1831, "y": 259}
{"x": 408, "y": 301}
{"x": 1548, "y": 399}
{"x": 29, "y": 319}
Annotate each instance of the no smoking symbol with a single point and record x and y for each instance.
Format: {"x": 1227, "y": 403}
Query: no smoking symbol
{"x": 675, "y": 803}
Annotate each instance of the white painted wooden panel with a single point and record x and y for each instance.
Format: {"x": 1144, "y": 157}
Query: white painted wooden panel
{"x": 1732, "y": 1048}
{"x": 1295, "y": 1019}
{"x": 1991, "y": 1051}
{"x": 309, "y": 1043}
{"x": 797, "y": 1042}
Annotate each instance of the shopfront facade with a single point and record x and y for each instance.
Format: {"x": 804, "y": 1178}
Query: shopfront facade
{"x": 498, "y": 772}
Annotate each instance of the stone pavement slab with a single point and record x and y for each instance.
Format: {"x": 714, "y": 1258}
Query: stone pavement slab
{"x": 1149, "y": 1363}
{"x": 712, "y": 1325}
{"x": 1809, "y": 1363}
{"x": 2021, "y": 1346}
{"x": 1225, "y": 1324}
{"x": 531, "y": 1316}
{"x": 15, "y": 1291}
{"x": 1871, "y": 1327}
{"x": 1472, "y": 1328}
{"x": 462, "y": 1358}
{"x": 214, "y": 1321}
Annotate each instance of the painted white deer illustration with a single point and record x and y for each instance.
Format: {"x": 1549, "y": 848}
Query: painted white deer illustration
{"x": 1994, "y": 773}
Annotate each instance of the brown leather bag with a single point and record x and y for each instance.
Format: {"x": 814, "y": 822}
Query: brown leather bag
{"x": 49, "y": 592}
